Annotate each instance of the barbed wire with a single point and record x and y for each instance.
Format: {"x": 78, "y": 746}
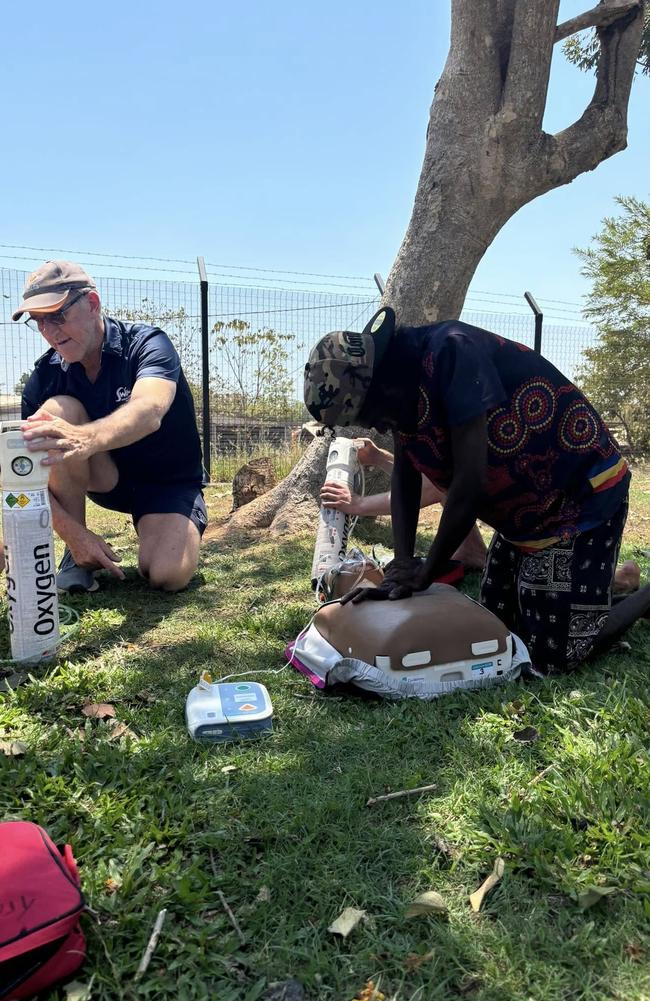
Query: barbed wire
{"x": 229, "y": 268}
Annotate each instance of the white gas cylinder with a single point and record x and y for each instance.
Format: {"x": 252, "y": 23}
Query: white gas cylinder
{"x": 29, "y": 548}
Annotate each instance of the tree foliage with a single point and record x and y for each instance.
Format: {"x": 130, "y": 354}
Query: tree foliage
{"x": 583, "y": 50}
{"x": 249, "y": 368}
{"x": 618, "y": 265}
{"x": 252, "y": 377}
{"x": 616, "y": 371}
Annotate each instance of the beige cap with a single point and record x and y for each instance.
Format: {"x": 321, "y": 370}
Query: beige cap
{"x": 48, "y": 287}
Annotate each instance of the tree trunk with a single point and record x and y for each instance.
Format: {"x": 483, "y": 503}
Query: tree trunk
{"x": 486, "y": 152}
{"x": 486, "y": 156}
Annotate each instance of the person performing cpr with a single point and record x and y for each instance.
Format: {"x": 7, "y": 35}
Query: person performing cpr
{"x": 508, "y": 439}
{"x": 110, "y": 405}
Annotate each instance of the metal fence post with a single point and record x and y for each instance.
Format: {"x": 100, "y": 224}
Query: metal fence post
{"x": 539, "y": 319}
{"x": 205, "y": 359}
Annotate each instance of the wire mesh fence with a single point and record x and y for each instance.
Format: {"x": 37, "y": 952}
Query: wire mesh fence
{"x": 258, "y": 341}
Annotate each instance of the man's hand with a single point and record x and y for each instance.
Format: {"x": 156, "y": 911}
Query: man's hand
{"x": 45, "y": 433}
{"x": 92, "y": 553}
{"x": 369, "y": 454}
{"x": 341, "y": 498}
{"x": 401, "y": 579}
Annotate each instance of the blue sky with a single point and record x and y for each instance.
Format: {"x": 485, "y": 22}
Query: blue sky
{"x": 286, "y": 136}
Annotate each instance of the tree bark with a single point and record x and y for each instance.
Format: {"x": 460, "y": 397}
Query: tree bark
{"x": 598, "y": 17}
{"x": 486, "y": 156}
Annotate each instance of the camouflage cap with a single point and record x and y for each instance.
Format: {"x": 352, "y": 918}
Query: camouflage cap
{"x": 341, "y": 367}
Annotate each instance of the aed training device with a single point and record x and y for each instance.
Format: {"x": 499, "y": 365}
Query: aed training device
{"x": 29, "y": 549}
{"x": 220, "y": 711}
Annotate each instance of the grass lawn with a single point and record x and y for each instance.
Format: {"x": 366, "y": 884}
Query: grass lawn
{"x": 280, "y": 825}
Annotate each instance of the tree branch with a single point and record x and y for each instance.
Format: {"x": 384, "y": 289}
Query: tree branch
{"x": 474, "y": 60}
{"x": 529, "y": 68}
{"x": 598, "y": 17}
{"x": 602, "y": 129}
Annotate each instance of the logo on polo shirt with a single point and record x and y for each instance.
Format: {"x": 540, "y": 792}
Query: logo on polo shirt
{"x": 122, "y": 394}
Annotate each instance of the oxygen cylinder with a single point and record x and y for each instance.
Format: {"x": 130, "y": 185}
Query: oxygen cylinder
{"x": 334, "y": 526}
{"x": 32, "y": 601}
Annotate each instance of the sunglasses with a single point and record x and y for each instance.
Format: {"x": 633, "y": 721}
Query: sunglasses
{"x": 55, "y": 319}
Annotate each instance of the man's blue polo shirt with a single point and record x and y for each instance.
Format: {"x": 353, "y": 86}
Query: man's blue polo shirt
{"x": 131, "y": 351}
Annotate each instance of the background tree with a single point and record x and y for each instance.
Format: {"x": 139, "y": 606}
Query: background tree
{"x": 182, "y": 329}
{"x": 486, "y": 156}
{"x": 252, "y": 377}
{"x": 22, "y": 382}
{"x": 616, "y": 372}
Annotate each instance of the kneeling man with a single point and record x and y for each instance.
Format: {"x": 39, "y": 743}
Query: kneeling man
{"x": 111, "y": 406}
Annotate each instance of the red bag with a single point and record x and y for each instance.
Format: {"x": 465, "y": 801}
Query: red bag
{"x": 41, "y": 942}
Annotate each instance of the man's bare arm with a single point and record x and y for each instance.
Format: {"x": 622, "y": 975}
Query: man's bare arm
{"x": 88, "y": 549}
{"x": 338, "y": 496}
{"x": 469, "y": 456}
{"x": 405, "y": 494}
{"x": 150, "y": 400}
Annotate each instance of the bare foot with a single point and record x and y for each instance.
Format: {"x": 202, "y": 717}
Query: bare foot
{"x": 627, "y": 577}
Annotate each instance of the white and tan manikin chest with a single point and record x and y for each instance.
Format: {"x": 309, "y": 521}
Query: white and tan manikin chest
{"x": 424, "y": 646}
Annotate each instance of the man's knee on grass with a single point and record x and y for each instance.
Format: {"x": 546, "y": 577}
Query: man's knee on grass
{"x": 169, "y": 550}
{"x": 165, "y": 576}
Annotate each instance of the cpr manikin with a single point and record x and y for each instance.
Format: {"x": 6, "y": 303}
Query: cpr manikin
{"x": 424, "y": 646}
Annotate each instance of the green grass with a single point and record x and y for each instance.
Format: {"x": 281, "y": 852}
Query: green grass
{"x": 156, "y": 821}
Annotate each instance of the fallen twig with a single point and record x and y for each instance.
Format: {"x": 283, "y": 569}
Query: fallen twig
{"x": 400, "y": 794}
{"x": 540, "y": 775}
{"x": 224, "y": 903}
{"x": 231, "y": 916}
{"x": 151, "y": 944}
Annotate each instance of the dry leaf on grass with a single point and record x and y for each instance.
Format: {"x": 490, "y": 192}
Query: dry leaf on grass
{"x": 98, "y": 710}
{"x": 227, "y": 769}
{"x": 79, "y": 734}
{"x": 634, "y": 952}
{"x": 346, "y": 922}
{"x": 145, "y": 696}
{"x": 476, "y": 898}
{"x": 429, "y": 902}
{"x": 121, "y": 730}
{"x": 13, "y": 748}
{"x": 111, "y": 886}
{"x": 414, "y": 960}
{"x": 593, "y": 894}
{"x": 369, "y": 993}
{"x": 264, "y": 896}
